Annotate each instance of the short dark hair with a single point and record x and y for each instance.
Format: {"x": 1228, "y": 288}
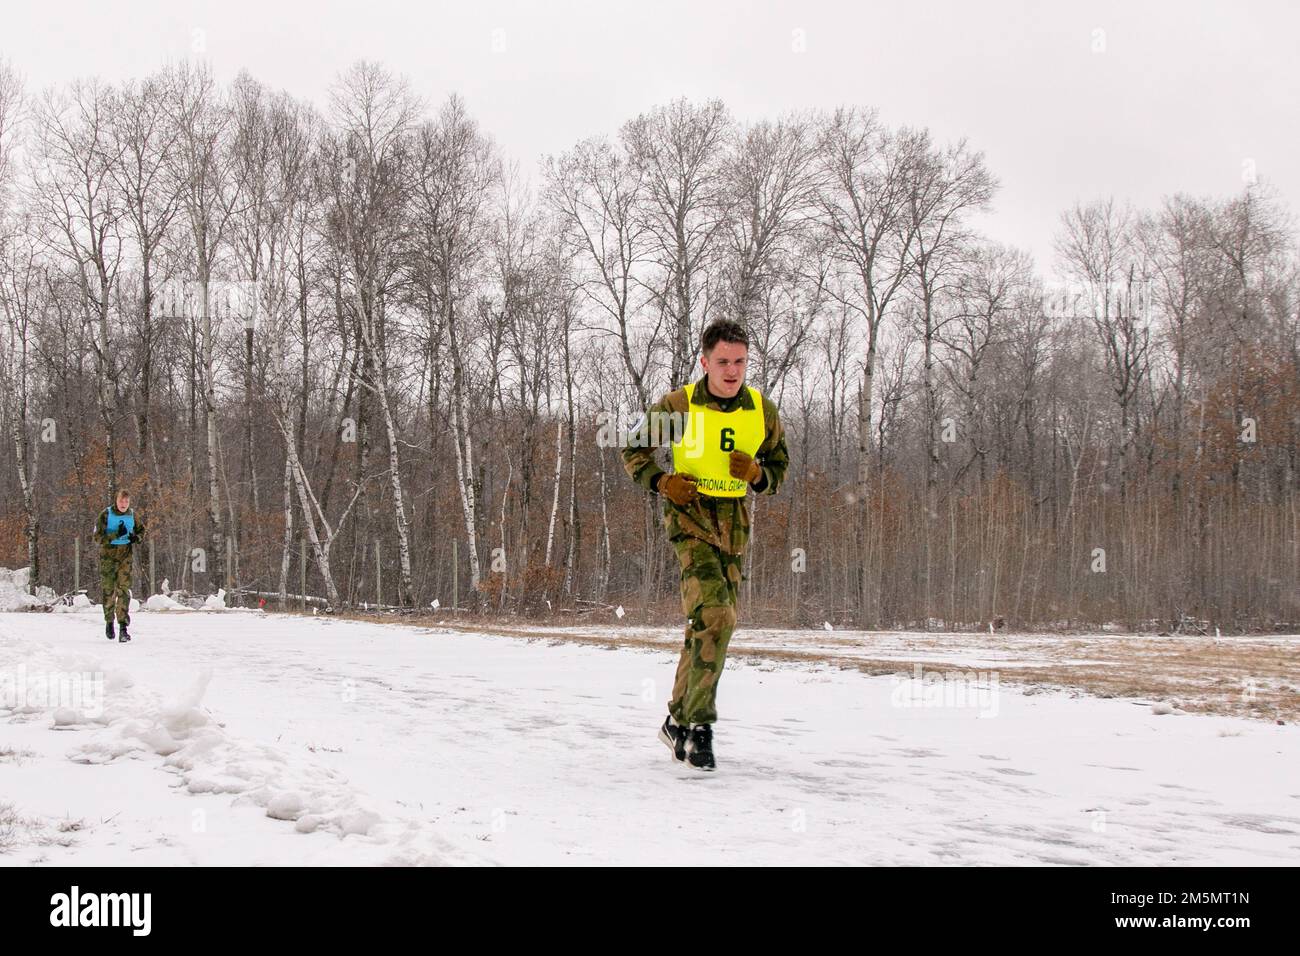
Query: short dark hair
{"x": 723, "y": 330}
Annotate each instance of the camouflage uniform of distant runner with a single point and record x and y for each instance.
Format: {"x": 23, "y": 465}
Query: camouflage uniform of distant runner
{"x": 710, "y": 537}
{"x": 116, "y": 533}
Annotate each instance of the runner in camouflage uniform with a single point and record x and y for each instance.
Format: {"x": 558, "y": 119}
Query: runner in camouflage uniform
{"x": 727, "y": 440}
{"x": 117, "y": 530}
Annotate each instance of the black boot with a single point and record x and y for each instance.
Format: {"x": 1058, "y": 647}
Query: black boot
{"x": 123, "y": 637}
{"x": 699, "y": 747}
{"x": 674, "y": 735}
{"x": 108, "y": 630}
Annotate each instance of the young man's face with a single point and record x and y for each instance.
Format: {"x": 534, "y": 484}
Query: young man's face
{"x": 123, "y": 502}
{"x": 725, "y": 366}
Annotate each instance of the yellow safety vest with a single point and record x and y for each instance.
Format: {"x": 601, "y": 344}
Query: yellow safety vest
{"x": 708, "y": 440}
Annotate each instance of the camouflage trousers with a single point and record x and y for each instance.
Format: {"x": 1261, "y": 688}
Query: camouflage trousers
{"x": 115, "y": 579}
{"x": 710, "y": 587}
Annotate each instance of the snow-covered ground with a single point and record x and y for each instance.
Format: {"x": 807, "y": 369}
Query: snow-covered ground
{"x": 238, "y": 737}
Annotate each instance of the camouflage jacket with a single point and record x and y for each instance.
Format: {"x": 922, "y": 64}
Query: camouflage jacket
{"x": 722, "y": 522}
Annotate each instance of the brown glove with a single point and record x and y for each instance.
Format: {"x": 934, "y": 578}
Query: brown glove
{"x": 679, "y": 489}
{"x": 743, "y": 466}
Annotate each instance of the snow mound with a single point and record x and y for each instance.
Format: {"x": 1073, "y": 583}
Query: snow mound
{"x": 80, "y": 605}
{"x": 161, "y": 602}
{"x": 14, "y": 597}
{"x": 286, "y": 806}
{"x": 66, "y": 716}
{"x": 18, "y": 579}
{"x": 216, "y": 602}
{"x": 13, "y": 591}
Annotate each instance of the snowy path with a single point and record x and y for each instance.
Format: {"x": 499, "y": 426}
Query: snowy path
{"x": 428, "y": 746}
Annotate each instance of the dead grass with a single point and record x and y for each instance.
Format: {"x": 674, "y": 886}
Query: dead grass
{"x": 18, "y": 831}
{"x": 14, "y": 827}
{"x": 14, "y": 755}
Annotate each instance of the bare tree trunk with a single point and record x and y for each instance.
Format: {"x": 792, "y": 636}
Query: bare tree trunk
{"x": 16, "y": 382}
{"x": 862, "y": 487}
{"x": 606, "y": 559}
{"x": 555, "y": 495}
{"x": 465, "y": 478}
{"x": 287, "y": 555}
{"x": 399, "y": 503}
{"x": 210, "y": 418}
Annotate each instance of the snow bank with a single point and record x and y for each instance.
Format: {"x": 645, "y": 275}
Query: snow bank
{"x": 14, "y": 597}
{"x": 80, "y": 605}
{"x": 18, "y": 579}
{"x": 13, "y": 591}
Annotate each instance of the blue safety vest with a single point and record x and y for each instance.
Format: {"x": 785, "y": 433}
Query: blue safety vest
{"x": 119, "y": 525}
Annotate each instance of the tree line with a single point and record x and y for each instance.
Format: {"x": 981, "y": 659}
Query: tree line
{"x": 355, "y": 346}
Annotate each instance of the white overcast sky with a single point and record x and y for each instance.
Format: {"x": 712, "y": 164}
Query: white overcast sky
{"x": 1183, "y": 94}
